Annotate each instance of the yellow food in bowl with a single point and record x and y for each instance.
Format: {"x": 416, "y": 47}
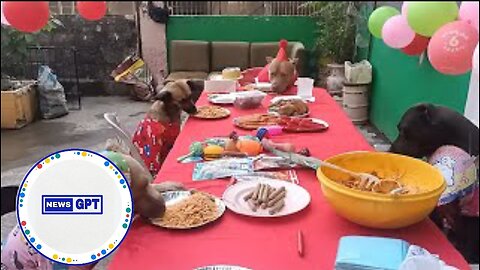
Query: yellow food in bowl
{"x": 378, "y": 210}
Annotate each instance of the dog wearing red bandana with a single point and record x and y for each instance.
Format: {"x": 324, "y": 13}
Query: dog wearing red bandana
{"x": 157, "y": 132}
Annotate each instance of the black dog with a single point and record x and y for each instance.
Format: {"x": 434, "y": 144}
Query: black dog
{"x": 426, "y": 127}
{"x": 422, "y": 130}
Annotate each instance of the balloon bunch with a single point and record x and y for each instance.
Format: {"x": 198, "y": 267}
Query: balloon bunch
{"x": 32, "y": 16}
{"x": 448, "y": 33}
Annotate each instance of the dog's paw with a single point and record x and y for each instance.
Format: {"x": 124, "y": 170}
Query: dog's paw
{"x": 169, "y": 186}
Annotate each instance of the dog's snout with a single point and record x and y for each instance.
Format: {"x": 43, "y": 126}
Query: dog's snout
{"x": 191, "y": 109}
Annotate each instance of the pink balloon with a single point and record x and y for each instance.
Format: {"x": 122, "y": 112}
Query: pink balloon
{"x": 405, "y": 9}
{"x": 4, "y": 20}
{"x": 469, "y": 13}
{"x": 451, "y": 48}
{"x": 396, "y": 32}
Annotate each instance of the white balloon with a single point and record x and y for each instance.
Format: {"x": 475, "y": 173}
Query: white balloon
{"x": 475, "y": 61}
{"x": 4, "y": 20}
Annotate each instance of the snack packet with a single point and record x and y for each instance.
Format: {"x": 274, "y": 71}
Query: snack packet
{"x": 264, "y": 162}
{"x": 222, "y": 168}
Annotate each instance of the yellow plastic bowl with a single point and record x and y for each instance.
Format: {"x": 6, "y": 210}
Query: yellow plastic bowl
{"x": 382, "y": 211}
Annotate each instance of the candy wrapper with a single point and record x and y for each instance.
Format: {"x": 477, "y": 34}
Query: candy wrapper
{"x": 222, "y": 168}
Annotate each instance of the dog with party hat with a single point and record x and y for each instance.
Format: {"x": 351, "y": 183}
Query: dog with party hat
{"x": 279, "y": 71}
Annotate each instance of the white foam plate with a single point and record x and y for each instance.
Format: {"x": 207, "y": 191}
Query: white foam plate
{"x": 297, "y": 198}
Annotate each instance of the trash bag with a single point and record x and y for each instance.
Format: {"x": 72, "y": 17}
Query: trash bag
{"x": 50, "y": 94}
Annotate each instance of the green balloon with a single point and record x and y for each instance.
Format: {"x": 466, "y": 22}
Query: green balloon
{"x": 378, "y": 18}
{"x": 425, "y": 18}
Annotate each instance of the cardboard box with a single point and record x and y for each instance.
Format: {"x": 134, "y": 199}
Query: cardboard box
{"x": 19, "y": 107}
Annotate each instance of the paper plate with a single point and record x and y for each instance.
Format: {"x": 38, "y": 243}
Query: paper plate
{"x": 297, "y": 198}
{"x": 174, "y": 197}
{"x": 221, "y": 99}
{"x": 219, "y": 114}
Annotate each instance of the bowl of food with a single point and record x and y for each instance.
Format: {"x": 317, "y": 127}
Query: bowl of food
{"x": 248, "y": 99}
{"x": 419, "y": 184}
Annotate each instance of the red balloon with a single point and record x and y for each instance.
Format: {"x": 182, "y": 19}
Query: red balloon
{"x": 26, "y": 16}
{"x": 417, "y": 46}
{"x": 92, "y": 11}
{"x": 451, "y": 48}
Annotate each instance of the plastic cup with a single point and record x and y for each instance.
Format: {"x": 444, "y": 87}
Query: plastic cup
{"x": 305, "y": 87}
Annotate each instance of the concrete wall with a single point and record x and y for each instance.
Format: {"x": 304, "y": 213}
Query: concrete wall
{"x": 154, "y": 45}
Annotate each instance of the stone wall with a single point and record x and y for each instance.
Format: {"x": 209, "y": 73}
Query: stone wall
{"x": 101, "y": 45}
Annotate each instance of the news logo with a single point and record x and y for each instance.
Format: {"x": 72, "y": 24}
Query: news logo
{"x": 74, "y": 206}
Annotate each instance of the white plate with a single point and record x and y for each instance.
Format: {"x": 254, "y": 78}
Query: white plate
{"x": 174, "y": 197}
{"x": 300, "y": 115}
{"x": 221, "y": 98}
{"x": 297, "y": 198}
{"x": 320, "y": 121}
{"x": 263, "y": 86}
{"x": 221, "y": 267}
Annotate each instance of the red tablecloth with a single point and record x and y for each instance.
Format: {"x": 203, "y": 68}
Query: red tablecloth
{"x": 264, "y": 244}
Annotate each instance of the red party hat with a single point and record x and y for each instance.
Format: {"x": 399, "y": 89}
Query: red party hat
{"x": 281, "y": 56}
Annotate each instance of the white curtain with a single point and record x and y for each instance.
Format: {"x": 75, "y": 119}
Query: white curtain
{"x": 471, "y": 107}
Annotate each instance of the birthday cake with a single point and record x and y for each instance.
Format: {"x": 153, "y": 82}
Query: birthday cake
{"x": 232, "y": 73}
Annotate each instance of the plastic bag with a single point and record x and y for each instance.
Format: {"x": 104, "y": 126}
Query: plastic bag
{"x": 419, "y": 258}
{"x": 358, "y": 73}
{"x": 51, "y": 94}
{"x": 222, "y": 168}
{"x": 264, "y": 162}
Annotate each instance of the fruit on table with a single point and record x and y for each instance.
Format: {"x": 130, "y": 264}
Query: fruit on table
{"x": 211, "y": 152}
{"x": 249, "y": 147}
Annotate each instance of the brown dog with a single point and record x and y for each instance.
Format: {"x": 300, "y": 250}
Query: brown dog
{"x": 282, "y": 74}
{"x": 147, "y": 197}
{"x": 157, "y": 132}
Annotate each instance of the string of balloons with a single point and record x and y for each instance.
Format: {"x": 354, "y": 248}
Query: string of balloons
{"x": 446, "y": 32}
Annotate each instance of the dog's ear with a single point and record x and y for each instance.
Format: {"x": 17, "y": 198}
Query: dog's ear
{"x": 269, "y": 59}
{"x": 164, "y": 96}
{"x": 196, "y": 85}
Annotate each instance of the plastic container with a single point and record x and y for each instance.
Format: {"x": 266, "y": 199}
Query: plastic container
{"x": 249, "y": 99}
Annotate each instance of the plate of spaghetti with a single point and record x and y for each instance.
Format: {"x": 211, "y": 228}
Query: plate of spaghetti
{"x": 188, "y": 210}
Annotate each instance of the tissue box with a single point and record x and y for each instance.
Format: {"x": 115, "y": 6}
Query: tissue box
{"x": 220, "y": 86}
{"x": 370, "y": 253}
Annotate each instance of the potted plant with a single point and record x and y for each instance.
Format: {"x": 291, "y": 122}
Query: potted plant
{"x": 335, "y": 43}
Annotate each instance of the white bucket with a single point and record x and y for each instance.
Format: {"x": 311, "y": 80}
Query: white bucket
{"x": 355, "y": 95}
{"x": 358, "y": 114}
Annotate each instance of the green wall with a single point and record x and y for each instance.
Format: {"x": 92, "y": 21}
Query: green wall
{"x": 399, "y": 82}
{"x": 242, "y": 28}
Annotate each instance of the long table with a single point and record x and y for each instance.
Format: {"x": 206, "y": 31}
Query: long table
{"x": 257, "y": 243}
